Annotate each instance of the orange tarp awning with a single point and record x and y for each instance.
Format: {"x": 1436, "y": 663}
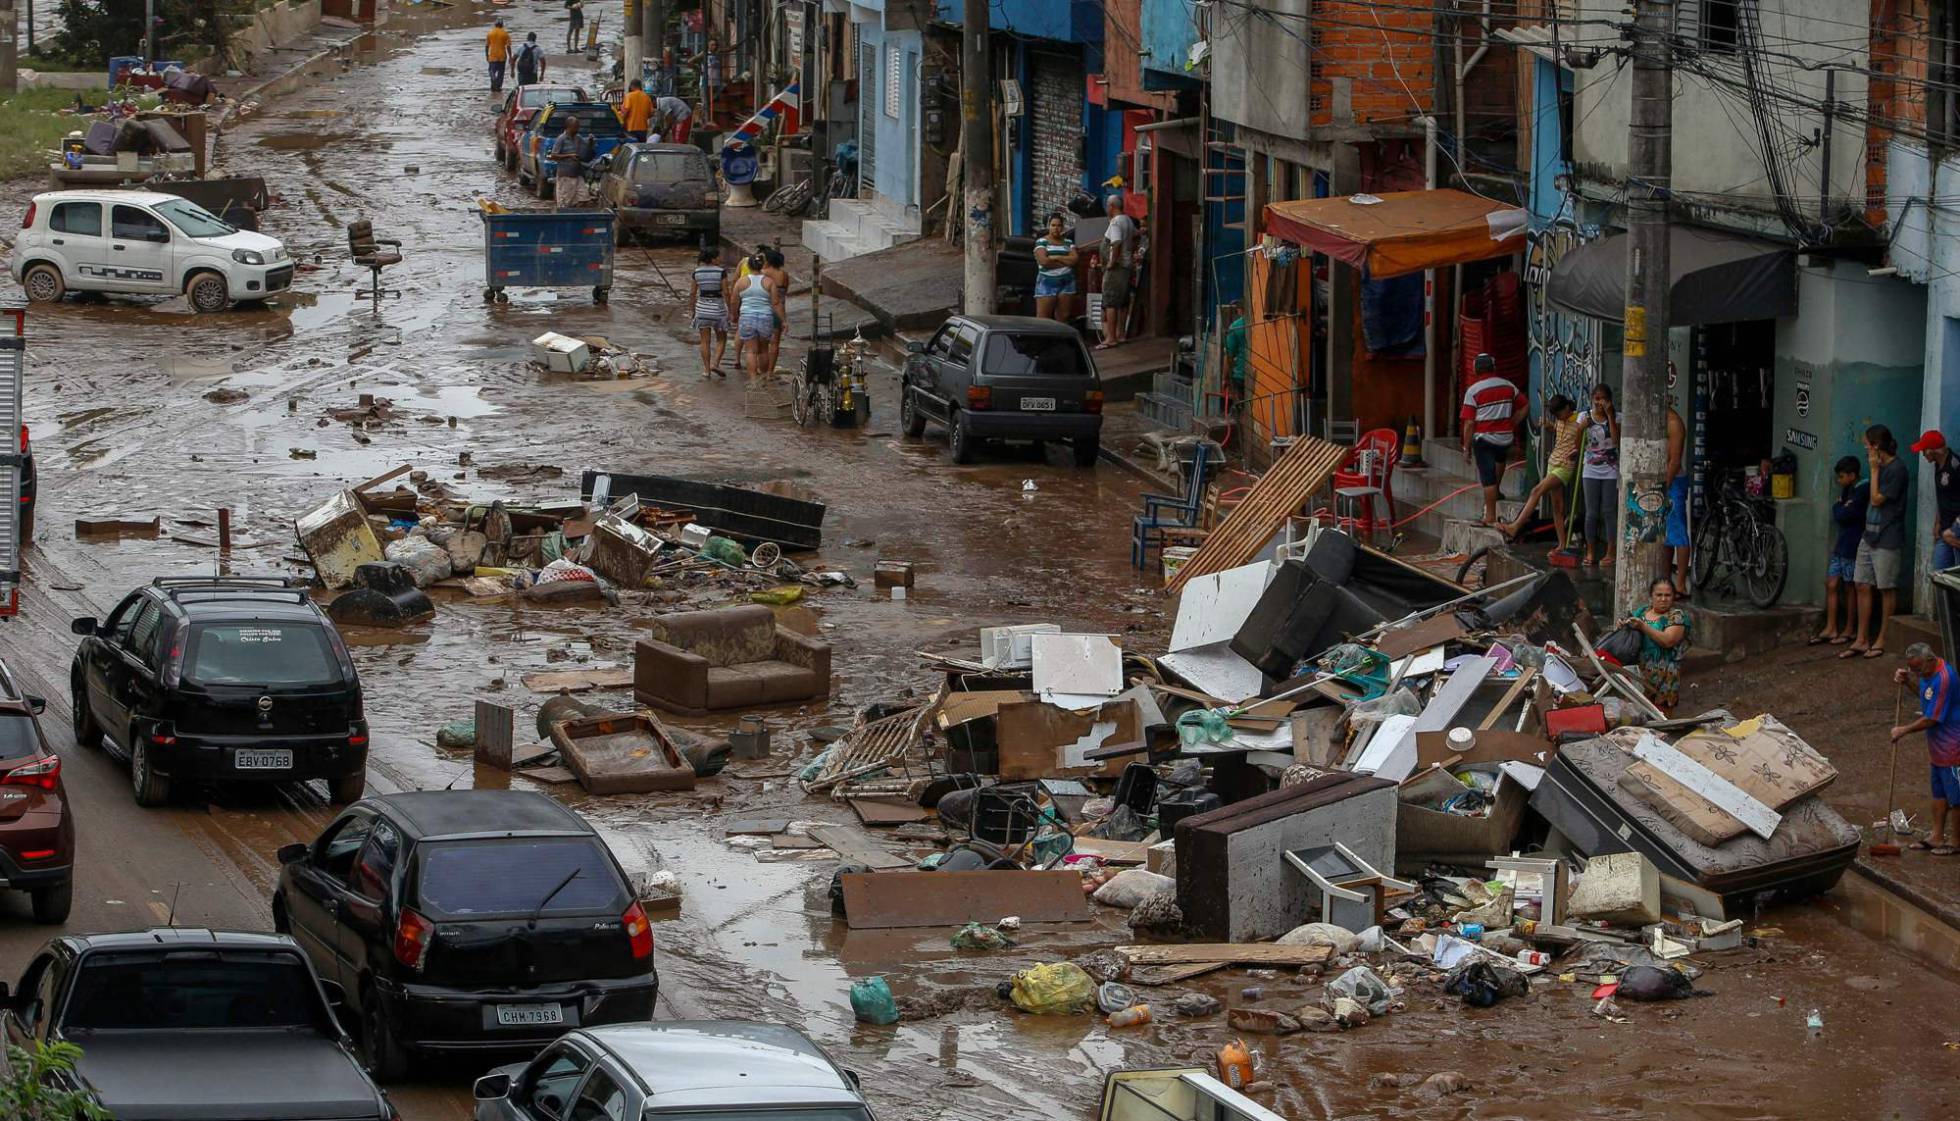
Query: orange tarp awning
{"x": 1405, "y": 232}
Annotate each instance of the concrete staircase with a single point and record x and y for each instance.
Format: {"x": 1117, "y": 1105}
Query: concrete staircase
{"x": 856, "y": 227}
{"x": 1453, "y": 522}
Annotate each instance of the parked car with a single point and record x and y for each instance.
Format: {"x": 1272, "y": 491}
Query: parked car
{"x": 662, "y": 189}
{"x": 200, "y": 678}
{"x": 37, "y": 832}
{"x": 468, "y": 920}
{"x": 1004, "y": 377}
{"x": 520, "y": 105}
{"x": 143, "y": 243}
{"x": 680, "y": 1070}
{"x": 596, "y": 120}
{"x": 178, "y": 1023}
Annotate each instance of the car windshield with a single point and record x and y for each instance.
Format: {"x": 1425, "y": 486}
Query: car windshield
{"x": 260, "y": 653}
{"x": 1022, "y": 355}
{"x": 193, "y": 219}
{"x": 533, "y": 97}
{"x": 17, "y": 738}
{"x": 197, "y": 989}
{"x": 833, "y": 1113}
{"x": 512, "y": 876}
{"x": 670, "y": 167}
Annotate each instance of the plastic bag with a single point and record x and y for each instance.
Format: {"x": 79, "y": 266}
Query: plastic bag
{"x": 1402, "y": 702}
{"x": 1623, "y": 646}
{"x": 1482, "y": 982}
{"x": 1113, "y": 996}
{"x": 815, "y": 766}
{"x": 1365, "y": 987}
{"x": 425, "y": 560}
{"x": 872, "y": 1000}
{"x": 725, "y": 551}
{"x": 562, "y": 569}
{"x": 1645, "y": 982}
{"x": 974, "y": 936}
{"x": 778, "y": 597}
{"x": 1130, "y": 887}
{"x": 456, "y": 733}
{"x": 1053, "y": 989}
{"x": 1320, "y": 934}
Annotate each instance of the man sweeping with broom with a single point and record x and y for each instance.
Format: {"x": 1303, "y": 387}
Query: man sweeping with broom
{"x": 1939, "y": 718}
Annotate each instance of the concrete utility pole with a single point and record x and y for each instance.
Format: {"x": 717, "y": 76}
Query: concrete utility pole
{"x": 1644, "y": 391}
{"x": 977, "y": 155}
{"x": 653, "y": 29}
{"x": 634, "y": 49}
{"x": 9, "y": 76}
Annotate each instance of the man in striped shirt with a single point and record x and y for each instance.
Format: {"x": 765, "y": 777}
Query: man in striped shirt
{"x": 1492, "y": 408}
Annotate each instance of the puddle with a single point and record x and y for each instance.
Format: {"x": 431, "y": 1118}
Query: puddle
{"x": 305, "y": 141}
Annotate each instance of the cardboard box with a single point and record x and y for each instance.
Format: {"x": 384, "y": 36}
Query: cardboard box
{"x": 1424, "y": 836}
{"x": 561, "y": 354}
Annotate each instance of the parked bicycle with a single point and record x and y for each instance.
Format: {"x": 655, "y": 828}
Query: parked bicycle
{"x": 1738, "y": 541}
{"x": 800, "y": 198}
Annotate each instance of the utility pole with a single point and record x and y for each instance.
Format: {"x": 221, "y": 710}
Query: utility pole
{"x": 634, "y": 49}
{"x": 149, "y": 32}
{"x": 653, "y": 30}
{"x": 977, "y": 155}
{"x": 9, "y": 58}
{"x": 1644, "y": 392}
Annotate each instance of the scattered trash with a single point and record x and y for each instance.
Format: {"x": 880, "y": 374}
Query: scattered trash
{"x": 1646, "y": 982}
{"x": 1481, "y": 982}
{"x": 1363, "y": 985}
{"x": 871, "y": 1001}
{"x": 1113, "y": 997}
{"x": 1196, "y": 1004}
{"x": 1265, "y": 1021}
{"x": 974, "y": 936}
{"x": 1235, "y": 1065}
{"x": 1053, "y": 988}
{"x": 1130, "y": 1017}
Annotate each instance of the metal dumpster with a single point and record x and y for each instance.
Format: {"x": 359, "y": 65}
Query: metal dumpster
{"x": 547, "y": 248}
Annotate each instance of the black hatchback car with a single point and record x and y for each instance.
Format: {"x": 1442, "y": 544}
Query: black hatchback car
{"x": 232, "y": 678}
{"x": 1004, "y": 377}
{"x": 468, "y": 920}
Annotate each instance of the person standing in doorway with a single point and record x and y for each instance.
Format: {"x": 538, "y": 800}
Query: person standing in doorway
{"x": 529, "y": 61}
{"x": 1939, "y": 718}
{"x": 568, "y": 159}
{"x": 1881, "y": 551}
{"x": 574, "y": 26}
{"x": 1848, "y": 525}
{"x": 1599, "y": 477}
{"x": 1674, "y": 547}
{"x": 1054, "y": 279}
{"x": 1491, "y": 409}
{"x": 1931, "y": 446}
{"x": 496, "y": 49}
{"x": 710, "y": 281}
{"x": 1119, "y": 259}
{"x": 679, "y": 118}
{"x": 636, "y": 111}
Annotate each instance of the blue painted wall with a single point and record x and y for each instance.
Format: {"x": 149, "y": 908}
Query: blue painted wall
{"x": 1170, "y": 27}
{"x": 895, "y": 171}
{"x": 1070, "y": 21}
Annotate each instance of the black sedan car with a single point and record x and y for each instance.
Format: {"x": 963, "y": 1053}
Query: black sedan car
{"x": 467, "y": 920}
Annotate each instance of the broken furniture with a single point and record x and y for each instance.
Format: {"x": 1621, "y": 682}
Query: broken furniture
{"x": 752, "y": 515}
{"x": 1278, "y": 495}
{"x": 1163, "y": 512}
{"x": 1232, "y": 885}
{"x": 622, "y": 753}
{"x": 368, "y": 254}
{"x": 1347, "y": 891}
{"x": 1368, "y": 476}
{"x": 732, "y": 657}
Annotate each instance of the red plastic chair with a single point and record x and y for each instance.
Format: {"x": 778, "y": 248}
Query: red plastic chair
{"x": 1369, "y": 473}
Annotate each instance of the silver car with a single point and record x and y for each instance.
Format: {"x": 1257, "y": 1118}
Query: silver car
{"x": 680, "y": 1070}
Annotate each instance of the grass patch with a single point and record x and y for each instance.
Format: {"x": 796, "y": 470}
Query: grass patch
{"x": 31, "y": 130}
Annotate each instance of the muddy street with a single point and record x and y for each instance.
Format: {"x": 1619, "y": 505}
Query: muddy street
{"x": 141, "y": 408}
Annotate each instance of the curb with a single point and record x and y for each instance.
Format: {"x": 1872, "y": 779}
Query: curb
{"x": 1883, "y": 877}
{"x": 230, "y": 115}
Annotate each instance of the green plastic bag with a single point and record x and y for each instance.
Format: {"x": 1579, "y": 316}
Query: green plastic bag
{"x": 1053, "y": 989}
{"x": 872, "y": 1000}
{"x": 974, "y": 936}
{"x": 725, "y": 551}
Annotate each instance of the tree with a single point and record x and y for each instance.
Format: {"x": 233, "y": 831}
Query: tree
{"x": 98, "y": 29}
{"x": 28, "y": 1085}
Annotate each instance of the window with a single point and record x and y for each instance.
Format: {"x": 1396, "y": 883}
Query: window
{"x": 81, "y": 218}
{"x": 194, "y": 220}
{"x": 143, "y": 636}
{"x": 17, "y": 738}
{"x": 462, "y": 879}
{"x": 894, "y": 81}
{"x": 337, "y": 850}
{"x": 600, "y": 1099}
{"x": 191, "y": 990}
{"x": 260, "y": 654}
{"x": 37, "y": 989}
{"x": 129, "y": 223}
{"x": 117, "y": 628}
{"x": 552, "y": 1078}
{"x": 1023, "y": 355}
{"x": 671, "y": 167}
{"x": 374, "y": 868}
{"x": 942, "y": 342}
{"x": 1721, "y": 24}
{"x": 961, "y": 348}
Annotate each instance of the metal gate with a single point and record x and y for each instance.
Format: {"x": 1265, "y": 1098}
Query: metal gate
{"x": 869, "y": 101}
{"x": 1055, "y": 127}
{"x": 13, "y": 363}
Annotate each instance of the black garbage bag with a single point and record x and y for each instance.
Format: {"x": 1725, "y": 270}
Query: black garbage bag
{"x": 1645, "y": 982}
{"x": 837, "y": 886}
{"x": 1482, "y": 982}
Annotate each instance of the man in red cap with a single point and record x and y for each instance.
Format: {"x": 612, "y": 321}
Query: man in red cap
{"x": 1931, "y": 447}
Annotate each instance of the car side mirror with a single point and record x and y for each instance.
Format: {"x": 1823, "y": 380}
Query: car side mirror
{"x": 492, "y": 1087}
{"x": 293, "y": 852}
{"x": 83, "y": 626}
{"x": 915, "y": 347}
{"x": 38, "y": 704}
{"x": 856, "y": 1082}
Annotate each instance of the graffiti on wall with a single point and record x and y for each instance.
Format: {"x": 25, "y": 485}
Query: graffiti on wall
{"x": 1567, "y": 346}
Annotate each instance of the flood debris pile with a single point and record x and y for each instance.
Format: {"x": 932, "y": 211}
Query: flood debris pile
{"x": 1356, "y": 780}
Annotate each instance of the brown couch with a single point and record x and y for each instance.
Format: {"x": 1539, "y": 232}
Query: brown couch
{"x": 733, "y": 657}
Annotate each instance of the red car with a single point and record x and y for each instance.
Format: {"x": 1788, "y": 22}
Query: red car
{"x": 37, "y": 835}
{"x": 520, "y": 105}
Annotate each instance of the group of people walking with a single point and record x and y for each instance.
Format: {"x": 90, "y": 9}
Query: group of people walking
{"x": 751, "y": 302}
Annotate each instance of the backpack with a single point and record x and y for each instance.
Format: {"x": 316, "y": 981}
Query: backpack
{"x": 527, "y": 59}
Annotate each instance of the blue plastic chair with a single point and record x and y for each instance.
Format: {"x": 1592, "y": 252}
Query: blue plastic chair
{"x": 1165, "y": 511}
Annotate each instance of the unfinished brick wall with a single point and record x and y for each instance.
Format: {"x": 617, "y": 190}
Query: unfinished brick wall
{"x": 1367, "y": 46}
{"x": 1901, "y": 32}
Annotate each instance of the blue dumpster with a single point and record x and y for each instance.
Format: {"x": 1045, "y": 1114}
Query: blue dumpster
{"x": 548, "y": 249}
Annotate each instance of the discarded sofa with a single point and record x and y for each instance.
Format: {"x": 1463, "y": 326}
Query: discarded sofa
{"x": 733, "y": 657}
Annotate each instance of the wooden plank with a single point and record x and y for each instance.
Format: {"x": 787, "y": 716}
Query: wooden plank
{"x": 1278, "y": 495}
{"x": 854, "y": 846}
{"x": 1225, "y": 953}
{"x": 887, "y": 811}
{"x": 886, "y": 902}
{"x": 1112, "y": 852}
{"x": 578, "y": 680}
{"x": 1704, "y": 783}
{"x": 1172, "y": 974}
{"x": 1510, "y": 695}
{"x": 1417, "y": 637}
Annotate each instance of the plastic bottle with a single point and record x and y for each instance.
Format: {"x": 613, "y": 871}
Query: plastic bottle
{"x": 1815, "y": 1023}
{"x": 1235, "y": 1065}
{"x": 1130, "y": 1017}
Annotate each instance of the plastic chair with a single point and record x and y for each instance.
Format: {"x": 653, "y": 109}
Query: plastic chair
{"x": 1164, "y": 511}
{"x": 1367, "y": 475}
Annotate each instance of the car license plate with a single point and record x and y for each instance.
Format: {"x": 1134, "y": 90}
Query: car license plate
{"x": 671, "y": 219}
{"x": 271, "y": 760}
{"x": 522, "y": 1015}
{"x": 1037, "y": 404}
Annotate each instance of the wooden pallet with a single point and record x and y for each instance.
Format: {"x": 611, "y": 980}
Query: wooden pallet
{"x": 1278, "y": 495}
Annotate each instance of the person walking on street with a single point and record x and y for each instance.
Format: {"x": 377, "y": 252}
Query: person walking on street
{"x": 1881, "y": 551}
{"x": 496, "y": 49}
{"x": 1931, "y": 446}
{"x": 636, "y": 111}
{"x": 679, "y": 118}
{"x": 1491, "y": 410}
{"x": 1054, "y": 281}
{"x": 1848, "y": 522}
{"x": 774, "y": 268}
{"x": 1664, "y": 631}
{"x": 568, "y": 160}
{"x": 528, "y": 60}
{"x": 574, "y": 26}
{"x": 757, "y": 326}
{"x": 1599, "y": 477}
{"x": 1119, "y": 258}
{"x": 707, "y": 295}
{"x": 1939, "y": 718}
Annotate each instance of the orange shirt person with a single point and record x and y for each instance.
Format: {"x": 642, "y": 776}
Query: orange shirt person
{"x": 496, "y": 49}
{"x": 636, "y": 110}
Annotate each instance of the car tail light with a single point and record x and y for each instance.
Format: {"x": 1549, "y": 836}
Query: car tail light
{"x": 340, "y": 653}
{"x": 639, "y": 930}
{"x": 37, "y": 854}
{"x": 24, "y": 448}
{"x": 979, "y": 397}
{"x": 164, "y": 734}
{"x": 27, "y": 222}
{"x": 358, "y": 737}
{"x": 44, "y": 772}
{"x": 413, "y": 933}
{"x": 1092, "y": 401}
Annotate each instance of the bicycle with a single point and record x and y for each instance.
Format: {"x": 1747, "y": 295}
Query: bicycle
{"x": 1739, "y": 539}
{"x": 800, "y": 198}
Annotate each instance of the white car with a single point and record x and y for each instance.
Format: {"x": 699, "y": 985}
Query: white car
{"x": 143, "y": 243}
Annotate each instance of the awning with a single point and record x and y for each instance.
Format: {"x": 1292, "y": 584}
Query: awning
{"x": 1717, "y": 278}
{"x": 1401, "y": 231}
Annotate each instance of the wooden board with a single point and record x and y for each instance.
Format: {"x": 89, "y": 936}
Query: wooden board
{"x": 1032, "y": 737}
{"x": 1699, "y": 800}
{"x": 1226, "y": 953}
{"x": 1279, "y": 494}
{"x": 888, "y": 811}
{"x": 578, "y": 680}
{"x": 907, "y": 899}
{"x": 855, "y": 846}
{"x": 1417, "y": 637}
{"x": 623, "y": 754}
{"x": 754, "y": 826}
{"x": 1112, "y": 852}
{"x": 1172, "y": 974}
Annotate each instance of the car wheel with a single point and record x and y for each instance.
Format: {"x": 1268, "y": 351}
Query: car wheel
{"x": 1086, "y": 451}
{"x": 51, "y": 904}
{"x": 43, "y": 284}
{"x": 208, "y": 292}
{"x": 347, "y": 788}
{"x": 909, "y": 416}
{"x": 151, "y": 788}
{"x": 960, "y": 440}
{"x": 87, "y": 732}
{"x": 385, "y": 1058}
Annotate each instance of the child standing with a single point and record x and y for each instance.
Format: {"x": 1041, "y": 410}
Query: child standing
{"x": 1848, "y": 523}
{"x": 1562, "y": 421}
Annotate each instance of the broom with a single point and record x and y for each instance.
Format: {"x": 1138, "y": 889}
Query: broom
{"x": 1891, "y": 848}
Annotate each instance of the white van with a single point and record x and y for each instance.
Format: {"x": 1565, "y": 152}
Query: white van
{"x": 143, "y": 243}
